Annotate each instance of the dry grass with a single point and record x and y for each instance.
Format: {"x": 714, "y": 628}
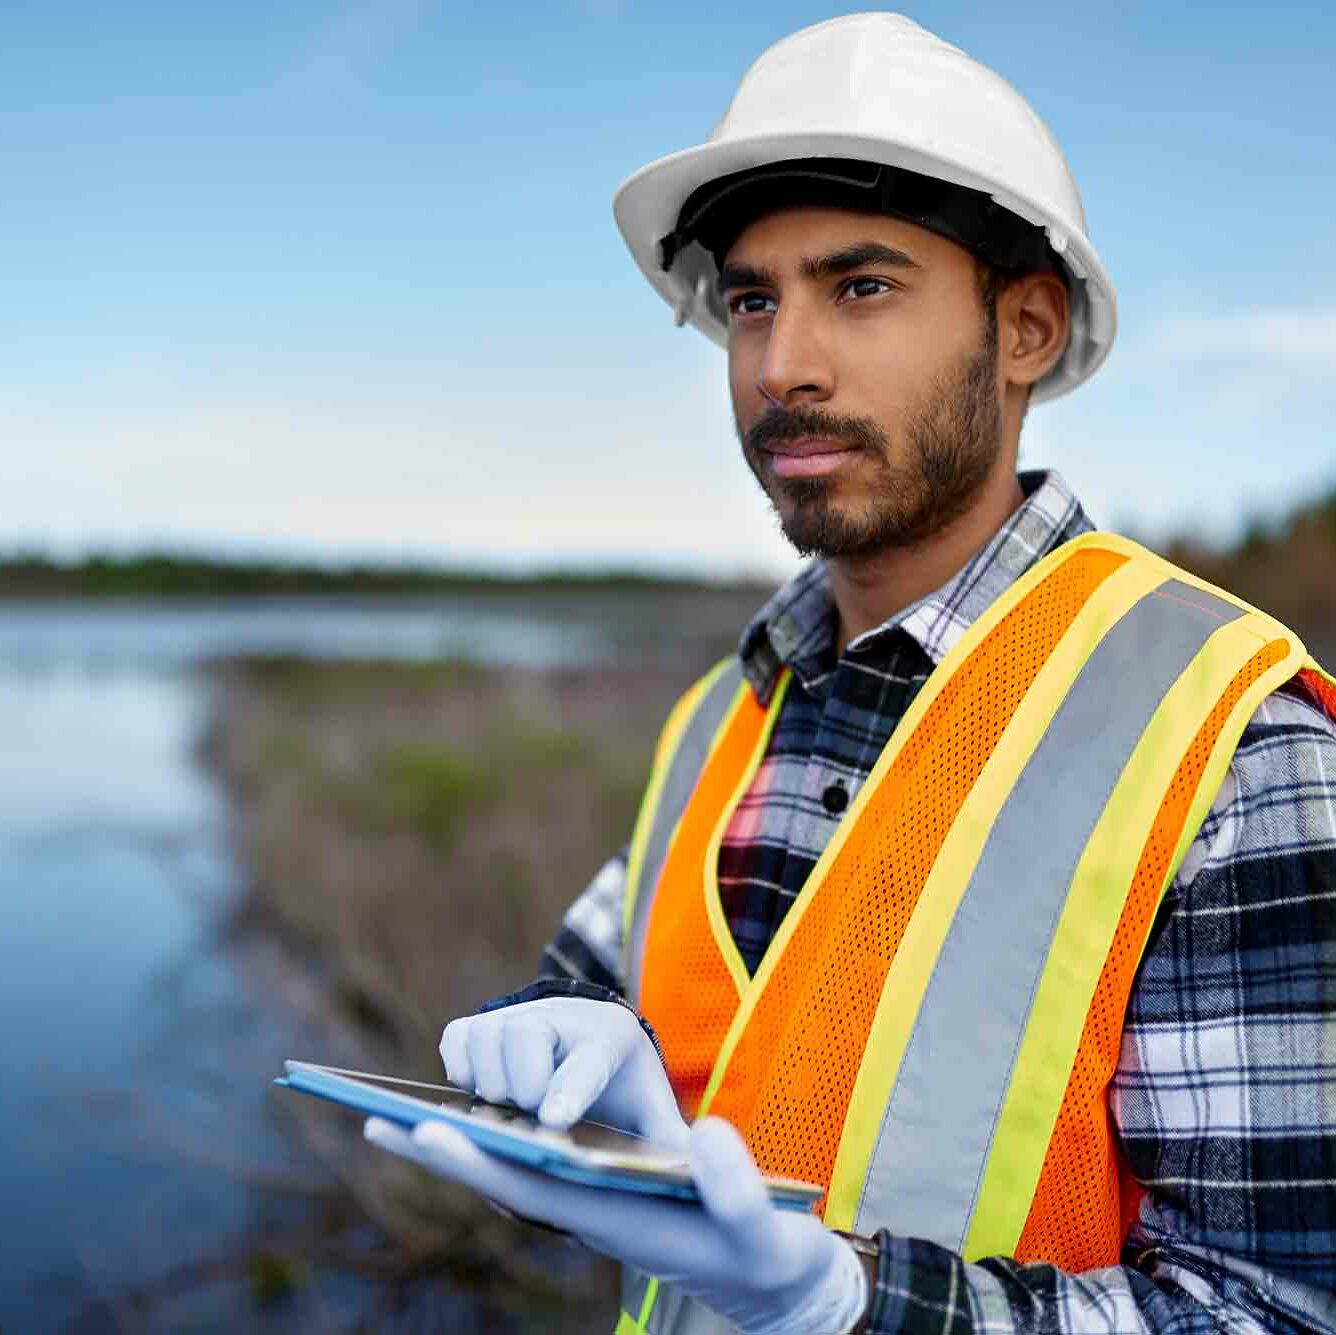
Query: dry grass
{"x": 413, "y": 835}
{"x": 419, "y": 830}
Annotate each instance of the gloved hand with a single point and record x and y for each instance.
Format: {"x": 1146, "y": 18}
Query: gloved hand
{"x": 769, "y": 1271}
{"x": 567, "y": 1057}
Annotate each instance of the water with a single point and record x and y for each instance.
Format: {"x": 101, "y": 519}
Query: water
{"x": 123, "y": 1141}
{"x": 108, "y": 844}
{"x": 152, "y": 635}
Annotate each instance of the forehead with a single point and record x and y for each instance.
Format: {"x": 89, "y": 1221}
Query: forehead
{"x": 782, "y": 239}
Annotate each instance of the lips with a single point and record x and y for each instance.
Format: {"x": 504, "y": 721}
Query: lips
{"x": 809, "y": 456}
{"x": 807, "y": 446}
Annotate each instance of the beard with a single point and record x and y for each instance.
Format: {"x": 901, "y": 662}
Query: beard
{"x": 952, "y": 438}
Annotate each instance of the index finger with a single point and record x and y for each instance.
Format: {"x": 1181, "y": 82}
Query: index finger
{"x": 455, "y": 1053}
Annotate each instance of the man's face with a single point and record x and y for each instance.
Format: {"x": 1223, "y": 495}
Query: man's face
{"x": 863, "y": 370}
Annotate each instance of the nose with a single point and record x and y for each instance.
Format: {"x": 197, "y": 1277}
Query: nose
{"x": 796, "y": 367}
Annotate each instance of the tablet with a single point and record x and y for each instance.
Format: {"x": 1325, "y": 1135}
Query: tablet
{"x": 590, "y": 1153}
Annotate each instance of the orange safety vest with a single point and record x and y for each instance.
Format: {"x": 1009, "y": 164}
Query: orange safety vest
{"x": 931, "y": 1033}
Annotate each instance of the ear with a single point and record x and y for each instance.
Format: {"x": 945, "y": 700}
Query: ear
{"x": 1032, "y": 325}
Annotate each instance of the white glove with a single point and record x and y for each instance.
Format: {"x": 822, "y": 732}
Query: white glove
{"x": 567, "y": 1057}
{"x": 769, "y": 1271}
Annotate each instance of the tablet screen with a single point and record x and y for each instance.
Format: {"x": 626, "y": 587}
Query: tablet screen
{"x": 589, "y": 1152}
{"x": 594, "y": 1137}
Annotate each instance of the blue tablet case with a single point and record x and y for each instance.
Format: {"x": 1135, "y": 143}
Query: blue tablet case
{"x": 407, "y": 1112}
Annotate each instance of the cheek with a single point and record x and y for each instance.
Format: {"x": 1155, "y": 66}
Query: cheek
{"x": 880, "y": 388}
{"x": 885, "y": 378}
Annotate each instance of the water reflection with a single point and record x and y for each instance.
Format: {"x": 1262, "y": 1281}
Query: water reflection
{"x": 108, "y": 849}
{"x": 156, "y": 634}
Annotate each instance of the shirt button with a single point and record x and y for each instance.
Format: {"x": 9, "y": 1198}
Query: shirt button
{"x": 835, "y": 798}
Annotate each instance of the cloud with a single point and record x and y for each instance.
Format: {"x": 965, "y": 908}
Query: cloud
{"x": 1252, "y": 362}
{"x": 1201, "y": 421}
{"x": 1302, "y": 342}
{"x": 563, "y": 465}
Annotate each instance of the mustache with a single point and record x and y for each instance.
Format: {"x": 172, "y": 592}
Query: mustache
{"x": 780, "y": 424}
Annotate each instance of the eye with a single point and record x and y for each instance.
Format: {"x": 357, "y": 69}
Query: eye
{"x": 750, "y": 303}
{"x": 866, "y": 287}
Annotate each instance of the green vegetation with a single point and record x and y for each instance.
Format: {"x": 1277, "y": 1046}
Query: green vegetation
{"x": 431, "y": 790}
{"x": 272, "y": 1278}
{"x": 169, "y": 574}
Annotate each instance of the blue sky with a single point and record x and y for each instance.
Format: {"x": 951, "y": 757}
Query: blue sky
{"x": 342, "y": 280}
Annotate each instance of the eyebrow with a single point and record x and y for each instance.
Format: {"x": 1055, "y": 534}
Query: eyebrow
{"x": 817, "y": 267}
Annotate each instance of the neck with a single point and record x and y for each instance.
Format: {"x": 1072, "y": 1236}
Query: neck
{"x": 869, "y": 589}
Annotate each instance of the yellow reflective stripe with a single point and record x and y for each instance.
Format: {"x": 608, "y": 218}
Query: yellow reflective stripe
{"x": 665, "y": 750}
{"x": 723, "y": 936}
{"x": 651, "y": 1293}
{"x": 1092, "y": 911}
{"x": 907, "y": 978}
{"x": 913, "y": 716}
{"x": 628, "y": 1325}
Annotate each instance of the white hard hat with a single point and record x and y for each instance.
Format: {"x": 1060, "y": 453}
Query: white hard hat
{"x": 877, "y": 88}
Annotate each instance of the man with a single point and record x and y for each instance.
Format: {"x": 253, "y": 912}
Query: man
{"x": 993, "y": 886}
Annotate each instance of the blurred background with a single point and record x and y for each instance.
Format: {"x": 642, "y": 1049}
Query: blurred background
{"x": 363, "y": 513}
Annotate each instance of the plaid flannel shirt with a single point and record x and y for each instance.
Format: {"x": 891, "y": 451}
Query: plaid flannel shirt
{"x": 1225, "y": 1094}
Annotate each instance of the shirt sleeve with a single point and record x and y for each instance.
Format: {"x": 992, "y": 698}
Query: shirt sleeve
{"x": 1225, "y": 1095}
{"x": 588, "y": 944}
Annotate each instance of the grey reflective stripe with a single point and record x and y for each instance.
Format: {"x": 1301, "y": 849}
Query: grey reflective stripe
{"x": 634, "y": 1285}
{"x": 676, "y": 1314}
{"x": 693, "y": 749}
{"x": 673, "y": 1312}
{"x": 933, "y": 1141}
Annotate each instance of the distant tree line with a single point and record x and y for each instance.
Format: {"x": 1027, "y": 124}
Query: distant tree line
{"x": 156, "y": 574}
{"x": 1287, "y": 568}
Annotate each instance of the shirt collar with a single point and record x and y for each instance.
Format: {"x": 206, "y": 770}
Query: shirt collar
{"x": 796, "y": 628}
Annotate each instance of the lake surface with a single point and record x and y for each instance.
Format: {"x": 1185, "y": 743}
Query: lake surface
{"x": 125, "y": 1145}
{"x": 110, "y": 854}
{"x": 152, "y": 635}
